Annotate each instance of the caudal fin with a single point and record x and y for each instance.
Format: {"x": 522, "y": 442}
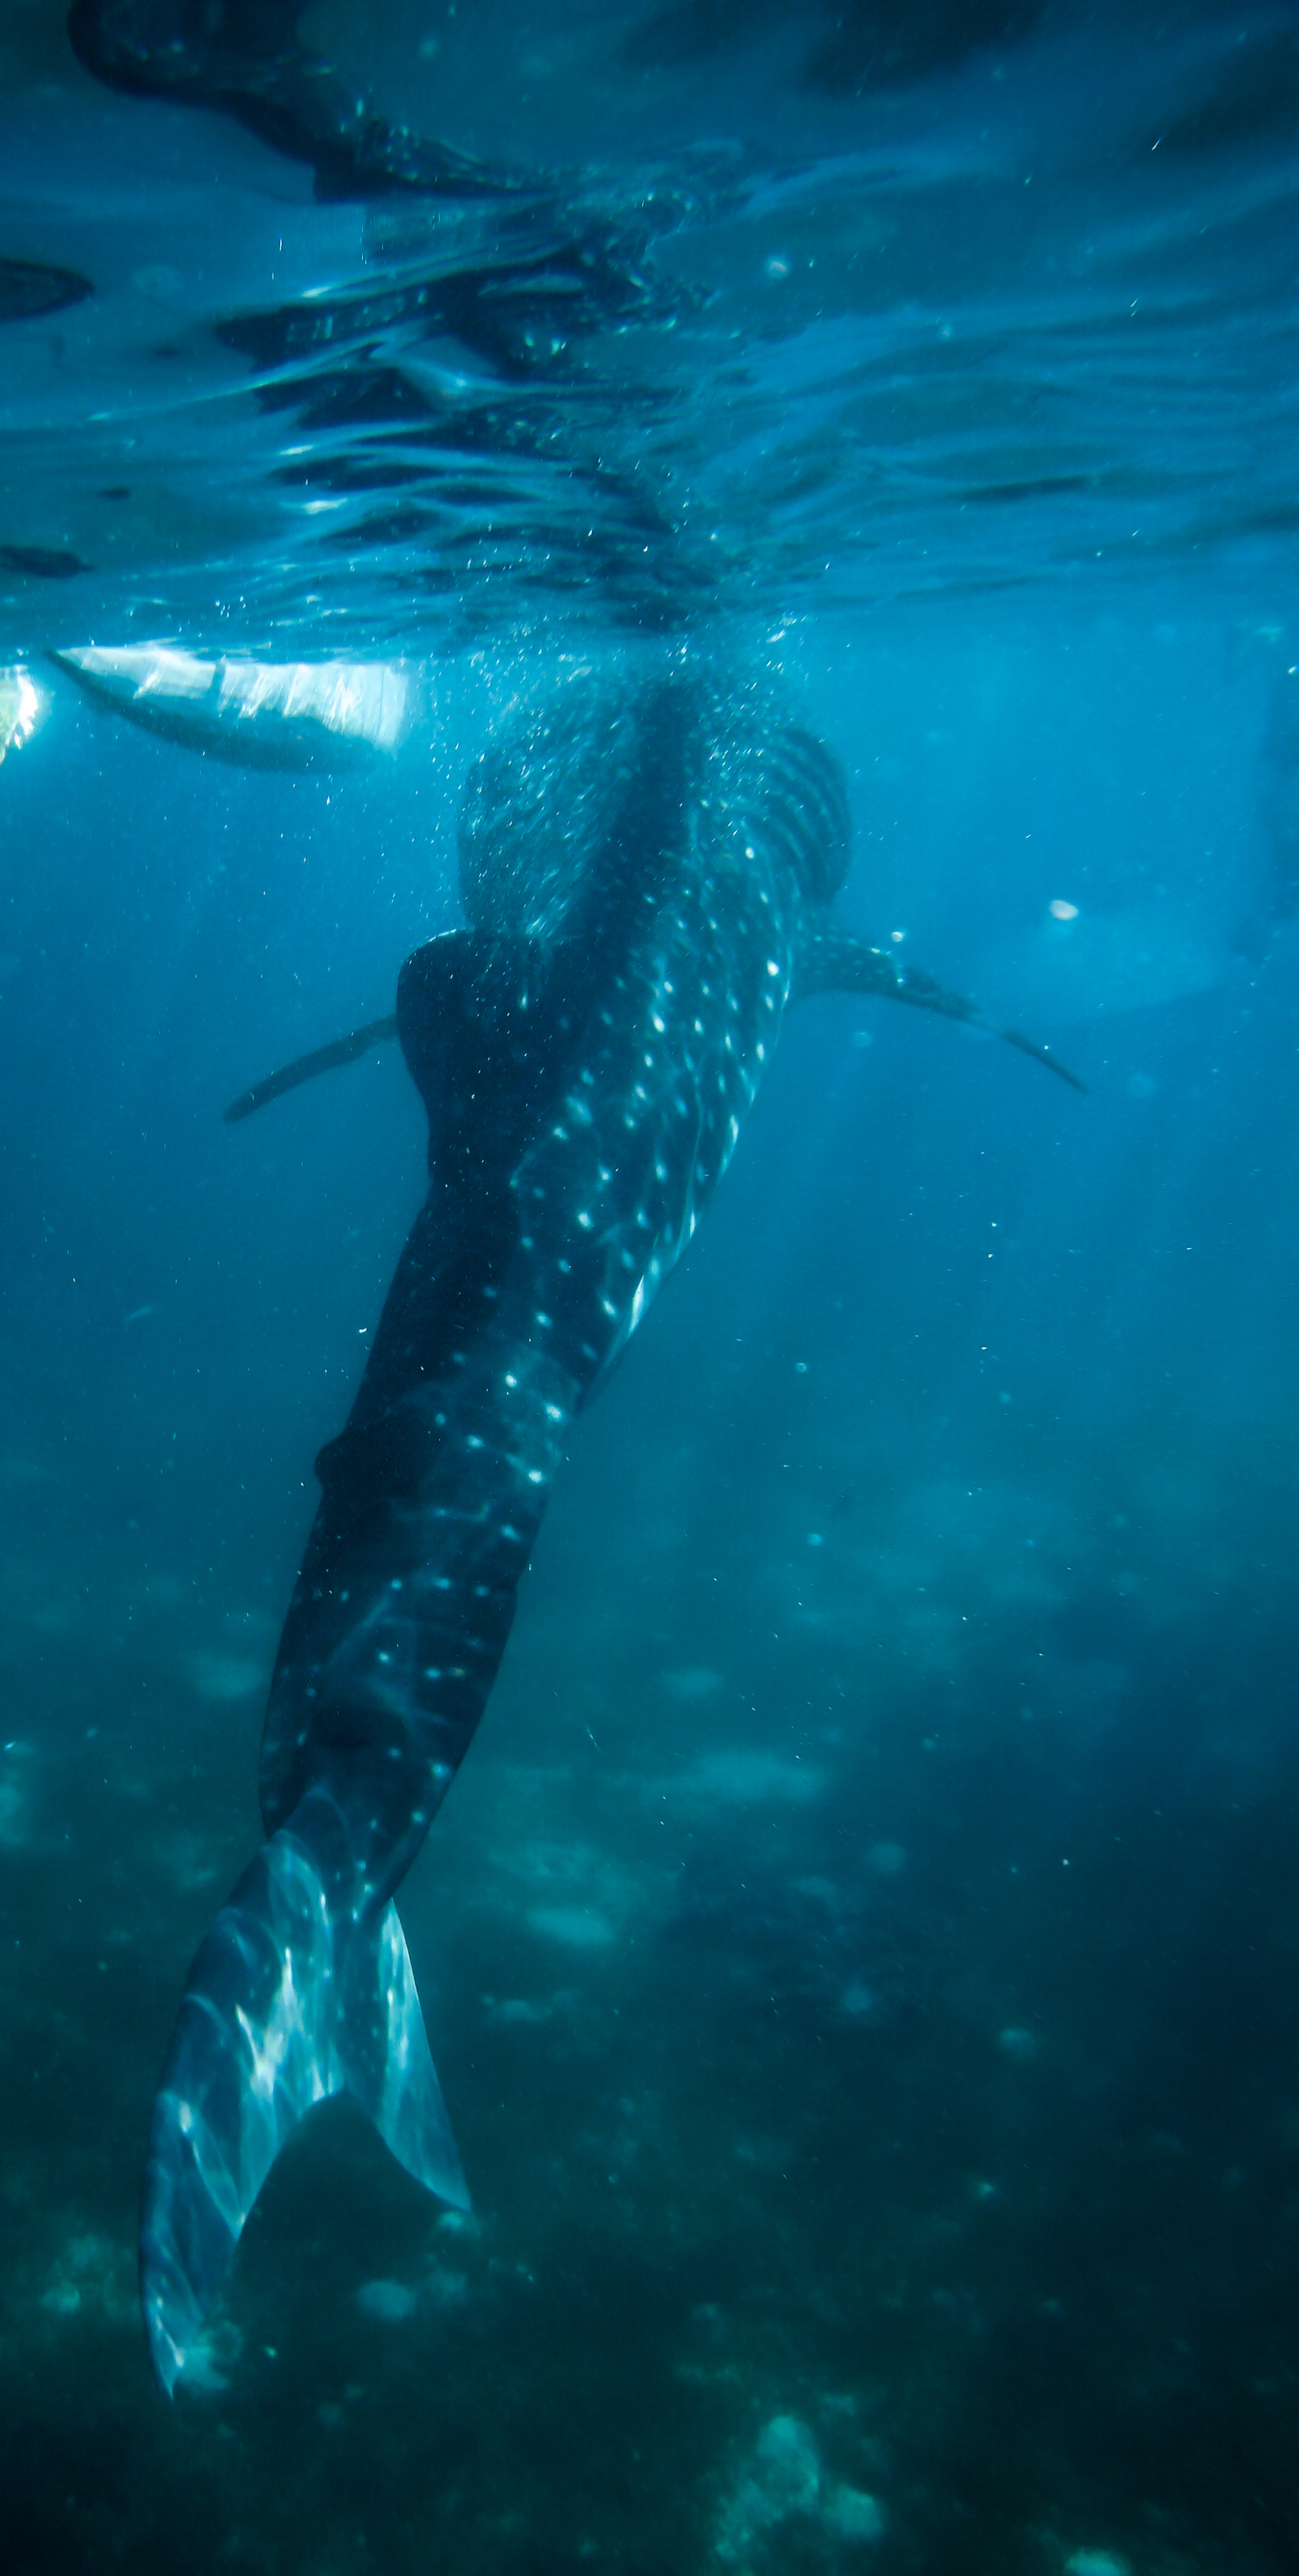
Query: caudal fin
{"x": 284, "y": 2007}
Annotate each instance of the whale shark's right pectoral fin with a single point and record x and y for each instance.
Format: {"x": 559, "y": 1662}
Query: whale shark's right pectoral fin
{"x": 283, "y": 2008}
{"x": 837, "y": 962}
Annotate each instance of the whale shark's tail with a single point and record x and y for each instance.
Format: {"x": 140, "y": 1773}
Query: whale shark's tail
{"x": 288, "y": 2001}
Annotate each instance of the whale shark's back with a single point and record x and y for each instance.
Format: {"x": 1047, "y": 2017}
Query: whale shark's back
{"x": 604, "y": 776}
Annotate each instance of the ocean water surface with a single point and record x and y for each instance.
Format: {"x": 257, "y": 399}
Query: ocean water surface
{"x": 860, "y": 1949}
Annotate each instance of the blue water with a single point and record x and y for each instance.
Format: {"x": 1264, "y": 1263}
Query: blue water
{"x": 860, "y": 1948}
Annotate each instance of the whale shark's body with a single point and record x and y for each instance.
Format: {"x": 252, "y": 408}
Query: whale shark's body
{"x": 647, "y": 874}
{"x": 640, "y": 874}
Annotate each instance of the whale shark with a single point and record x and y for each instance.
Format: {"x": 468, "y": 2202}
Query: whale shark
{"x": 647, "y": 872}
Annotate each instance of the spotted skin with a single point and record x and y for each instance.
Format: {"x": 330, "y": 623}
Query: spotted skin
{"x": 646, "y": 874}
{"x": 637, "y": 886}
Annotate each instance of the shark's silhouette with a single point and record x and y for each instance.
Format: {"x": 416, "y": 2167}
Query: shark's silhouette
{"x": 647, "y": 873}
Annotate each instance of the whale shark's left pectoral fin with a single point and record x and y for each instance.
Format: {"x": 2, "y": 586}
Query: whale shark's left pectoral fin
{"x": 836, "y": 962}
{"x": 304, "y": 1068}
{"x": 284, "y": 2007}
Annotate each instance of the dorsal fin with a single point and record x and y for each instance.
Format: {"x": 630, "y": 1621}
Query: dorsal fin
{"x": 835, "y": 961}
